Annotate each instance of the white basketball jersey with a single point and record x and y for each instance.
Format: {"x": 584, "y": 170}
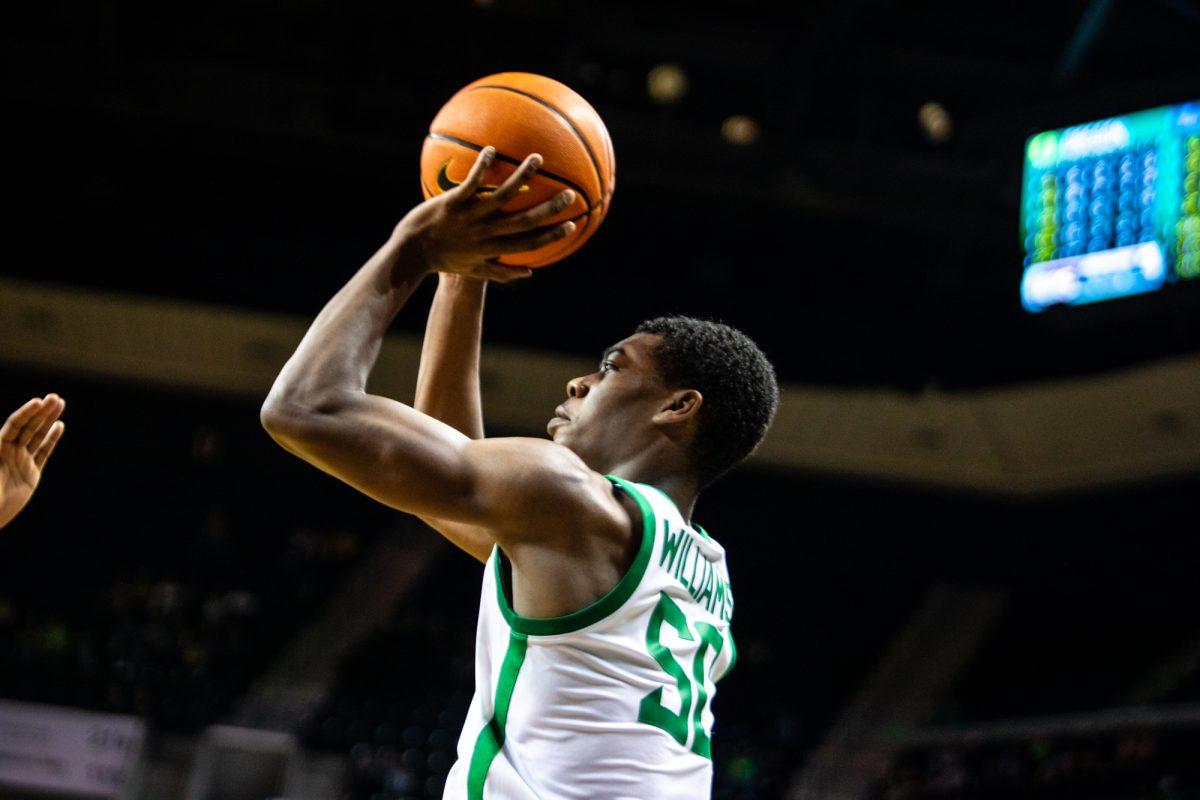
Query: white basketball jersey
{"x": 611, "y": 702}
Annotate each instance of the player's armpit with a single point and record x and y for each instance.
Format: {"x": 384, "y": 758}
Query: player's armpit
{"x": 471, "y": 539}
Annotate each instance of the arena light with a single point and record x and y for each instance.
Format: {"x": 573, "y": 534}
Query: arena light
{"x": 740, "y": 130}
{"x": 667, "y": 83}
{"x": 936, "y": 122}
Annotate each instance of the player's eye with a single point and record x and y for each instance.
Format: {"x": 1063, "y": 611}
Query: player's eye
{"x": 607, "y": 366}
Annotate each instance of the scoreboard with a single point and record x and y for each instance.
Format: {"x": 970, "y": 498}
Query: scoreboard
{"x": 1110, "y": 208}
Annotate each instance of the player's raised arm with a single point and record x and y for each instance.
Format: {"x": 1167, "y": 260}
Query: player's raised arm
{"x": 448, "y": 378}
{"x": 448, "y": 382}
{"x": 319, "y": 408}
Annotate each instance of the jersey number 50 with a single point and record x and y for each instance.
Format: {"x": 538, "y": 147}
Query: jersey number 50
{"x": 652, "y": 711}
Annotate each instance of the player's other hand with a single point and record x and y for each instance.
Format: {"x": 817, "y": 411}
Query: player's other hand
{"x": 26, "y": 441}
{"x": 463, "y": 230}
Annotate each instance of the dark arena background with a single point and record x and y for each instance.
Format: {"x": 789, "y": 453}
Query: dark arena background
{"x": 965, "y": 558}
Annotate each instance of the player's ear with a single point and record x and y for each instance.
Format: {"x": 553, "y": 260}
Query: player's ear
{"x": 679, "y": 407}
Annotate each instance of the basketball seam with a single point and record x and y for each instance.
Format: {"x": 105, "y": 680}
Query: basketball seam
{"x": 587, "y": 201}
{"x": 586, "y": 147}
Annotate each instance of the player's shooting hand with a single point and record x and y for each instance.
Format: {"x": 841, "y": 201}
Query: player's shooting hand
{"x": 463, "y": 230}
{"x": 26, "y": 441}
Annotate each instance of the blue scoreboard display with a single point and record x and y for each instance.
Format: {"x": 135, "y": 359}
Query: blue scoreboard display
{"x": 1110, "y": 208}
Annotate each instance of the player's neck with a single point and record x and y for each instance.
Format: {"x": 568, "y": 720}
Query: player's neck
{"x": 680, "y": 487}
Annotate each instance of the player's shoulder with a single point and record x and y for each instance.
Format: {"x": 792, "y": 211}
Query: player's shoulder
{"x": 541, "y": 463}
{"x": 552, "y": 483}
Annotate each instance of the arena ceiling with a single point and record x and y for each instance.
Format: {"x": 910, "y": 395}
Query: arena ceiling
{"x": 251, "y": 155}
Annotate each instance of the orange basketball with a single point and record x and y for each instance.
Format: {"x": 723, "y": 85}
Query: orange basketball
{"x": 518, "y": 114}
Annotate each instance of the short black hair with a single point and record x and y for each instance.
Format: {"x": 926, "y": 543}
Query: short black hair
{"x": 735, "y": 378}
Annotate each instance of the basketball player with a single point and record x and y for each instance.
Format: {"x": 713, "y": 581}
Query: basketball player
{"x": 27, "y": 439}
{"x": 605, "y": 613}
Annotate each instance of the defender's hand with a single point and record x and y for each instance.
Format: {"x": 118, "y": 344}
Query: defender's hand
{"x": 26, "y": 441}
{"x": 462, "y": 231}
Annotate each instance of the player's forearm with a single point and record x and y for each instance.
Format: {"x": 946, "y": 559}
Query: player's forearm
{"x": 336, "y": 355}
{"x": 319, "y": 408}
{"x": 448, "y": 378}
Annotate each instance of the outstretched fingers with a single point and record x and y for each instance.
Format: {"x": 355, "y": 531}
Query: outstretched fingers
{"x": 32, "y": 420}
{"x": 531, "y": 240}
{"x": 467, "y": 189}
{"x": 17, "y": 420}
{"x": 48, "y": 443}
{"x": 39, "y": 427}
{"x": 522, "y": 221}
{"x": 513, "y": 184}
{"x": 473, "y": 231}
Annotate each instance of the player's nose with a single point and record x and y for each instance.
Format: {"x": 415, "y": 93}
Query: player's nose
{"x": 577, "y": 387}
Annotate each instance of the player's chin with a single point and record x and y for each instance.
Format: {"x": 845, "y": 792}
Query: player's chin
{"x": 555, "y": 428}
{"x": 564, "y": 434}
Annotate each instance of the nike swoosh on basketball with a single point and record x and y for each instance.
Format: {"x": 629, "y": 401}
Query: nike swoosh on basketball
{"x": 446, "y": 183}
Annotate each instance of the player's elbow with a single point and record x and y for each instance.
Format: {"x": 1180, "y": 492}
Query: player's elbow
{"x": 272, "y": 416}
{"x": 285, "y": 417}
{"x": 293, "y": 418}
{"x": 278, "y": 419}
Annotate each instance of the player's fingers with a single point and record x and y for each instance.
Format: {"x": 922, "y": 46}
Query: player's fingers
{"x": 514, "y": 182}
{"x": 527, "y": 220}
{"x": 48, "y": 412}
{"x": 48, "y": 442}
{"x": 503, "y": 273}
{"x": 18, "y": 419}
{"x": 45, "y": 420}
{"x": 530, "y": 241}
{"x": 467, "y": 189}
{"x": 61, "y": 403}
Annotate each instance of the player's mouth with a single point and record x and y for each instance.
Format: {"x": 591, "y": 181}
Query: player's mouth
{"x": 559, "y": 419}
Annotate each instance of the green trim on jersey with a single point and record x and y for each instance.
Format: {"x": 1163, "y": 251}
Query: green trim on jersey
{"x": 491, "y": 738}
{"x": 599, "y": 609}
{"x": 732, "y": 654}
{"x": 692, "y": 525}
